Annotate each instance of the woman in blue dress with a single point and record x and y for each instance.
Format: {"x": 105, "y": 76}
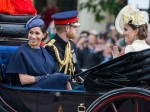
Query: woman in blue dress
{"x": 33, "y": 65}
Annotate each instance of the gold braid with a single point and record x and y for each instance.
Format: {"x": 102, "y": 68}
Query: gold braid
{"x": 67, "y": 61}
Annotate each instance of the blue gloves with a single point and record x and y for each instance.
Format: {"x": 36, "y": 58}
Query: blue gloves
{"x": 40, "y": 78}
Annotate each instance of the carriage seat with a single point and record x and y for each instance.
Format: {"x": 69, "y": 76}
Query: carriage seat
{"x": 5, "y": 55}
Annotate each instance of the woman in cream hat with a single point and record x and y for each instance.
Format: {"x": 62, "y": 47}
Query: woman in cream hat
{"x": 133, "y": 25}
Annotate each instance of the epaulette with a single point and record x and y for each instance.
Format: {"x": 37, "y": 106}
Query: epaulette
{"x": 50, "y": 43}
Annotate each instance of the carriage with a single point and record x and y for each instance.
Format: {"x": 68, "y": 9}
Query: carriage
{"x": 119, "y": 85}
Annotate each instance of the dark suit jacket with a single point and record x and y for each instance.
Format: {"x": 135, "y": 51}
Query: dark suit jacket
{"x": 61, "y": 44}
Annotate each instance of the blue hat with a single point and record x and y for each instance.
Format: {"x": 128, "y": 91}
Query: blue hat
{"x": 34, "y": 22}
{"x": 68, "y": 17}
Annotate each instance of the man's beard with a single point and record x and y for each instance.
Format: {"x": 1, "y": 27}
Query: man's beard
{"x": 71, "y": 35}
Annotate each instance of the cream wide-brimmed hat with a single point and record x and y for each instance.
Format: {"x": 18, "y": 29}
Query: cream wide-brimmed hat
{"x": 132, "y": 15}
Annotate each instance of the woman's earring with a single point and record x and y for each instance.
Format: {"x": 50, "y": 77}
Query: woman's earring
{"x": 135, "y": 37}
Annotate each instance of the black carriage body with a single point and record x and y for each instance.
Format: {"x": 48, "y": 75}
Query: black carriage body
{"x": 16, "y": 99}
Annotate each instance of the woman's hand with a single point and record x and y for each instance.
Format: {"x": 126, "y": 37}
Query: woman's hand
{"x": 115, "y": 52}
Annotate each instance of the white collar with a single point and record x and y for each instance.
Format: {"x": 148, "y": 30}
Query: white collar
{"x": 139, "y": 41}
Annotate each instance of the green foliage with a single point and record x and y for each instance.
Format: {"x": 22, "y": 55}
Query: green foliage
{"x": 98, "y": 6}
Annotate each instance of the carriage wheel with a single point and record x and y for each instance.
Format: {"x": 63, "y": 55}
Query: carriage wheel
{"x": 122, "y": 100}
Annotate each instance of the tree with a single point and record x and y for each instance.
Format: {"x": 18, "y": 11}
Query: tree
{"x": 98, "y": 6}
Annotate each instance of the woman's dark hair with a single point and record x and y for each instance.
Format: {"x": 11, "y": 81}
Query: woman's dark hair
{"x": 43, "y": 29}
{"x": 143, "y": 30}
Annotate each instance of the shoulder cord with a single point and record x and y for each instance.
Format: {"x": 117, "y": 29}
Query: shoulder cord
{"x": 67, "y": 61}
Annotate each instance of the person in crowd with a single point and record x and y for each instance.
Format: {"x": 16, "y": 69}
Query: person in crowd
{"x": 81, "y": 44}
{"x": 132, "y": 23}
{"x": 48, "y": 11}
{"x": 103, "y": 51}
{"x": 82, "y": 41}
{"x": 114, "y": 33}
{"x": 106, "y": 54}
{"x": 88, "y": 53}
{"x": 33, "y": 65}
{"x": 61, "y": 47}
{"x": 100, "y": 42}
{"x": 92, "y": 42}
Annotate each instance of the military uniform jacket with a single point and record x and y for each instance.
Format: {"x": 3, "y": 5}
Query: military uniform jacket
{"x": 60, "y": 45}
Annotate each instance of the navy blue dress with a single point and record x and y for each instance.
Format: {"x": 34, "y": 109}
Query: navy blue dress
{"x": 36, "y": 62}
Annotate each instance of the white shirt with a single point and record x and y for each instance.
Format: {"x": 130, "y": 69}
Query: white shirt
{"x": 137, "y": 45}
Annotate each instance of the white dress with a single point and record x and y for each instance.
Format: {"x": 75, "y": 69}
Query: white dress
{"x": 137, "y": 45}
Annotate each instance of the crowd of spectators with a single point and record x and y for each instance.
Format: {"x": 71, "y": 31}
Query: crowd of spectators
{"x": 94, "y": 49}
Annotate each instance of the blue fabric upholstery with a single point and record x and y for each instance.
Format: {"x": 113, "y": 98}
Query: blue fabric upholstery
{"x": 5, "y": 55}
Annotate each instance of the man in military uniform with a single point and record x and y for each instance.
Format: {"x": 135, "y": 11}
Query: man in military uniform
{"x": 62, "y": 47}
